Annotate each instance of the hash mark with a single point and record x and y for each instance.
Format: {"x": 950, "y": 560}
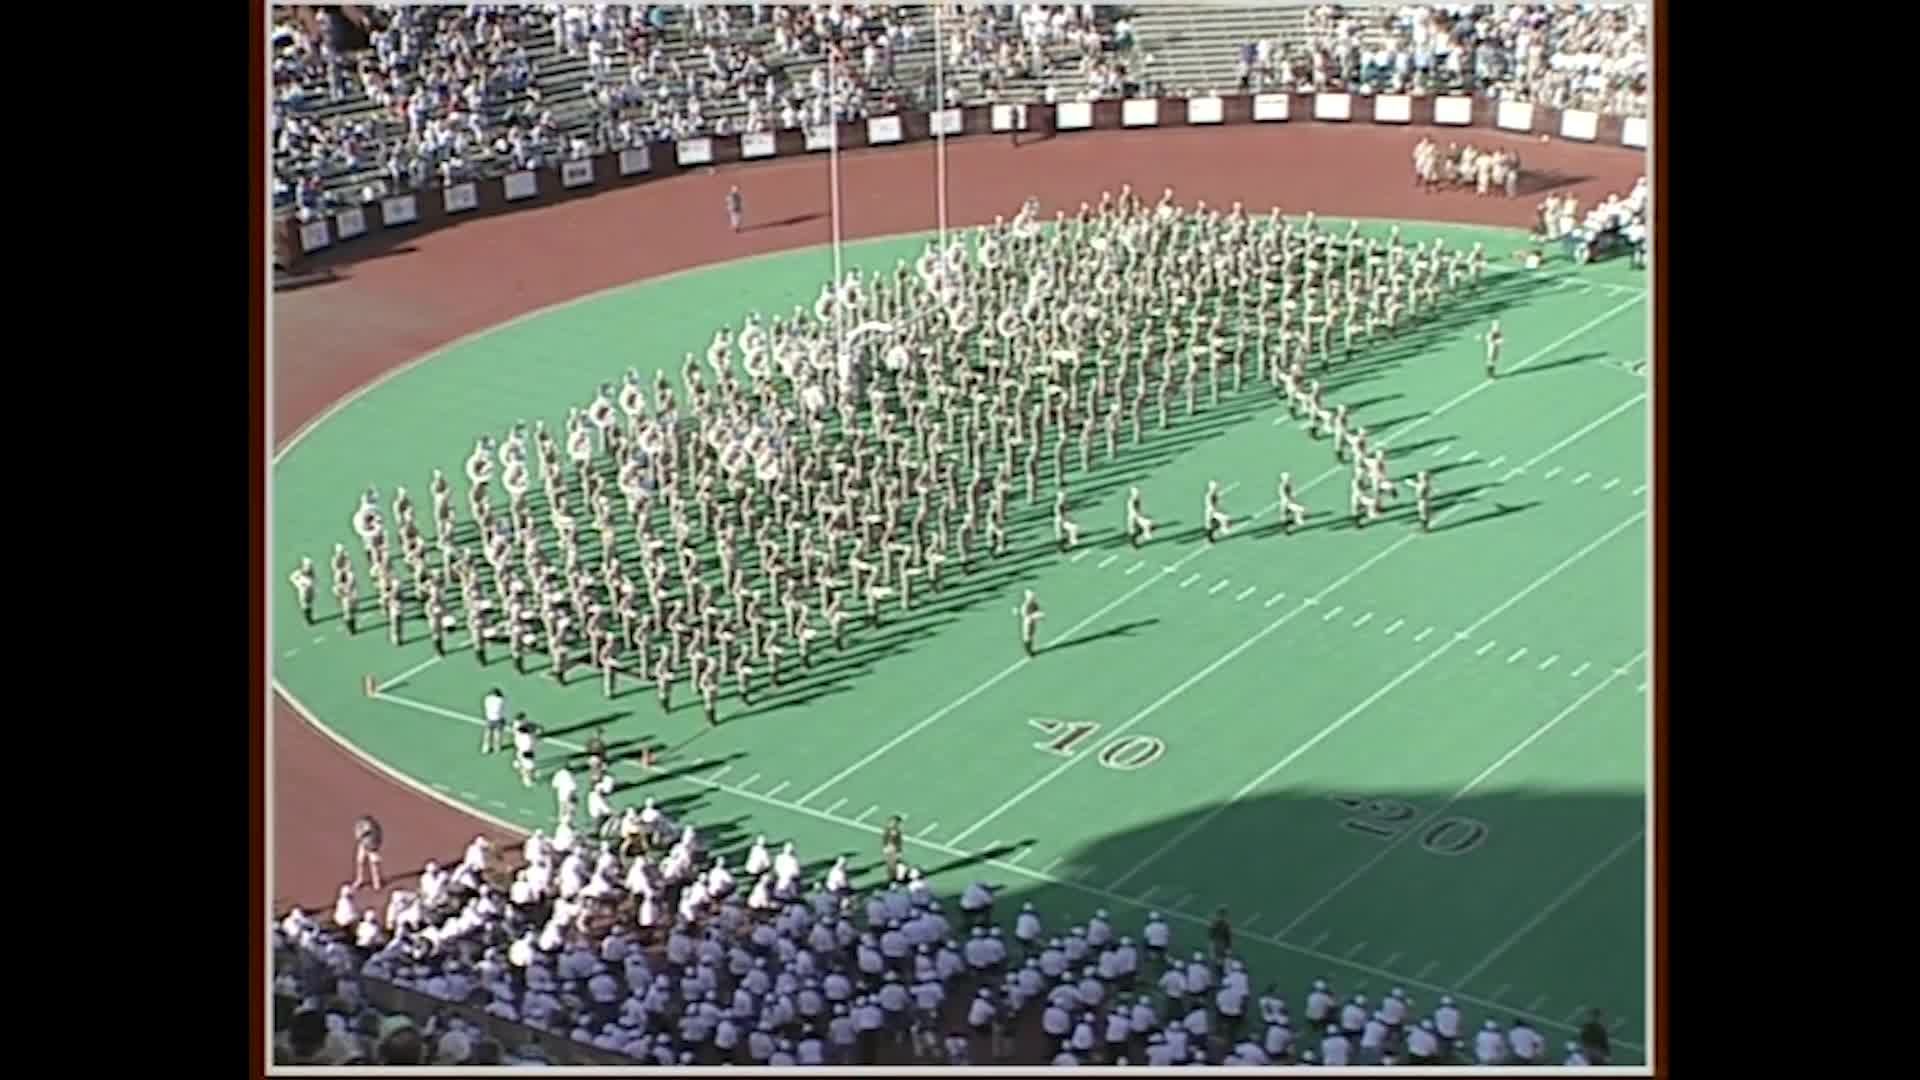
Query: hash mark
{"x": 1104, "y": 563}
{"x": 1495, "y": 463}
{"x": 1143, "y": 896}
{"x": 1018, "y": 855}
{"x": 1335, "y": 610}
{"x": 1182, "y": 902}
{"x": 1249, "y": 920}
{"x": 926, "y": 832}
{"x": 1441, "y": 451}
{"x": 1641, "y": 689}
{"x": 1518, "y": 653}
{"x": 1485, "y": 649}
{"x": 1217, "y": 586}
{"x": 1575, "y": 673}
{"x": 1188, "y": 581}
{"x": 1389, "y": 961}
{"x": 1582, "y": 478}
{"x": 1394, "y": 625}
{"x": 1549, "y": 661}
{"x": 1135, "y": 568}
{"x": 1511, "y": 473}
{"x": 864, "y": 813}
{"x": 318, "y": 640}
{"x": 778, "y": 788}
{"x": 1469, "y": 455}
{"x": 1318, "y": 940}
{"x": 747, "y": 783}
{"x": 1537, "y": 1004}
{"x": 1363, "y": 620}
{"x": 1504, "y": 987}
{"x": 1079, "y": 556}
{"x": 1611, "y": 484}
{"x": 836, "y": 806}
{"x": 1553, "y": 472}
{"x": 1422, "y": 973}
{"x": 1056, "y": 862}
{"x": 1274, "y": 599}
{"x": 1355, "y": 951}
{"x": 1246, "y": 592}
{"x": 497, "y": 804}
{"x": 1422, "y": 635}
{"x": 1641, "y": 490}
{"x": 724, "y": 770}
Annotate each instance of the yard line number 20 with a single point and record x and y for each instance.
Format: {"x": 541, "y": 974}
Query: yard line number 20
{"x": 1125, "y": 753}
{"x": 1387, "y": 819}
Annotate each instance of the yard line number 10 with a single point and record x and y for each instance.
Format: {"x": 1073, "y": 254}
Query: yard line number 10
{"x": 1125, "y": 753}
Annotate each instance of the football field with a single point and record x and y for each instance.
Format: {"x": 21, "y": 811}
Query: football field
{"x": 1395, "y": 757}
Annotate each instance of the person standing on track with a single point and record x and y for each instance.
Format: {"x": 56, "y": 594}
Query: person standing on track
{"x": 367, "y": 839}
{"x": 736, "y": 207}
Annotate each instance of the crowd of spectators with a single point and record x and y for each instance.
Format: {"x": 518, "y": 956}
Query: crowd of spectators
{"x": 1066, "y": 46}
{"x": 649, "y": 944}
{"x": 443, "y": 88}
{"x": 1561, "y": 56}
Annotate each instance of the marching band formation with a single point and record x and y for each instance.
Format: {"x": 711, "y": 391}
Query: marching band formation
{"x": 847, "y": 455}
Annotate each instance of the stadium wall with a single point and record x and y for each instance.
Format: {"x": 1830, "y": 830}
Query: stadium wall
{"x": 316, "y": 243}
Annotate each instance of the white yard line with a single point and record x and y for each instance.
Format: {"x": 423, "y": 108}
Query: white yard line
{"x": 1193, "y": 680}
{"x": 1576, "y": 436}
{"x": 1420, "y": 665}
{"x": 1477, "y": 388}
{"x": 1440, "y": 812}
{"x": 1553, "y": 905}
{"x": 1042, "y": 876}
{"x": 409, "y": 673}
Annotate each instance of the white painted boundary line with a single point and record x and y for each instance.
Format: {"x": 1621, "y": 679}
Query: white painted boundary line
{"x": 1553, "y": 905}
{"x": 1418, "y": 666}
{"x": 409, "y": 673}
{"x": 1464, "y": 791}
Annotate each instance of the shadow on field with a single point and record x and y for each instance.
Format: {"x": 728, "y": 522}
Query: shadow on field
{"x": 1370, "y": 889}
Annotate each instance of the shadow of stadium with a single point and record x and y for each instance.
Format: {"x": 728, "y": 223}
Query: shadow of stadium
{"x": 1404, "y": 877}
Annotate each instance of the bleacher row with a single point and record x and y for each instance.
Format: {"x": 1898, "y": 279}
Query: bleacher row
{"x": 375, "y": 101}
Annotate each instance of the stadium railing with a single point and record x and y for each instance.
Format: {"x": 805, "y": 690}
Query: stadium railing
{"x": 411, "y": 213}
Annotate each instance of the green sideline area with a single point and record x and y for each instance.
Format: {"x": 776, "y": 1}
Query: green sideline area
{"x": 1396, "y": 758}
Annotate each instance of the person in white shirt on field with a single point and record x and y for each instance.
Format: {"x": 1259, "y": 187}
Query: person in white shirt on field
{"x": 1490, "y": 1045}
{"x": 493, "y": 709}
{"x": 1333, "y": 1048}
{"x": 1446, "y": 1020}
{"x": 1527, "y": 1045}
{"x": 564, "y": 788}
